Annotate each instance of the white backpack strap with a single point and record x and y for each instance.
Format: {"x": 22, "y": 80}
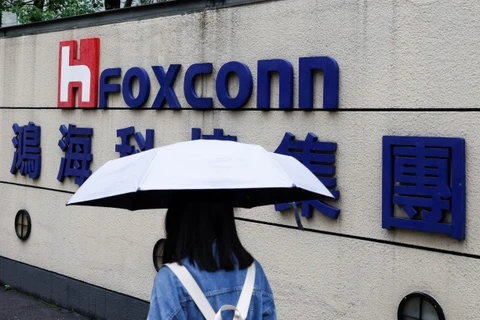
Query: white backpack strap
{"x": 193, "y": 289}
{"x": 226, "y": 307}
{"x": 241, "y": 310}
{"x": 247, "y": 291}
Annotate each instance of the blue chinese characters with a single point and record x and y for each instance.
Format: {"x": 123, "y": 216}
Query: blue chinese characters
{"x": 77, "y": 145}
{"x": 425, "y": 178}
{"x": 125, "y": 149}
{"x": 217, "y": 135}
{"x": 27, "y": 157}
{"x": 319, "y": 157}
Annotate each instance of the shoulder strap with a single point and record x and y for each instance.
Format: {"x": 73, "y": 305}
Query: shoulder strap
{"x": 247, "y": 291}
{"x": 201, "y": 301}
{"x": 193, "y": 289}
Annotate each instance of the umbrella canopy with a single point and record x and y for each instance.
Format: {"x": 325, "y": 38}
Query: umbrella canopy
{"x": 244, "y": 175}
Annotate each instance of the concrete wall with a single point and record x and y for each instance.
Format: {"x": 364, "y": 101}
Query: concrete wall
{"x": 396, "y": 59}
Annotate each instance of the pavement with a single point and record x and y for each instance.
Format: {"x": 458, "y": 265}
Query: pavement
{"x": 18, "y": 306}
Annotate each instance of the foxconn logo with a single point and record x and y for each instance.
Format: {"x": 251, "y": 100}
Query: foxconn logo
{"x": 78, "y": 73}
{"x": 81, "y": 83}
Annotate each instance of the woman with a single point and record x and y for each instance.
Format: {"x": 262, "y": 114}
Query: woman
{"x": 203, "y": 238}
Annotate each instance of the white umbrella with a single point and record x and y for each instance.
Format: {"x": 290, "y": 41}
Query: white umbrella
{"x": 245, "y": 175}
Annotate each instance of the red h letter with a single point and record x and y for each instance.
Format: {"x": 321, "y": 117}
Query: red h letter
{"x": 80, "y": 73}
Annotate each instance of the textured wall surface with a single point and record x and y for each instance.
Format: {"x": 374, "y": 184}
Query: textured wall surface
{"x": 407, "y": 68}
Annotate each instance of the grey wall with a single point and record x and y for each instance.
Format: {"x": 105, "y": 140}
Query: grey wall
{"x": 407, "y": 68}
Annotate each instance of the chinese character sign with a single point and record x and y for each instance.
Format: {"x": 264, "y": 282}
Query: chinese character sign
{"x": 218, "y": 134}
{"x": 27, "y": 158}
{"x": 144, "y": 143}
{"x": 424, "y": 177}
{"x": 77, "y": 145}
{"x": 319, "y": 157}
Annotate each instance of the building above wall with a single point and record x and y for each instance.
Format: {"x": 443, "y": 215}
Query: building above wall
{"x": 8, "y": 19}
{"x": 154, "y": 10}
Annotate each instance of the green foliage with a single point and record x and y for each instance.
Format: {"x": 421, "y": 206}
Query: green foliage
{"x": 35, "y": 11}
{"x": 29, "y": 11}
{"x": 7, "y": 287}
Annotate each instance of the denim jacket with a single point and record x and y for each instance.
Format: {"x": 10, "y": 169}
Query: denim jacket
{"x": 170, "y": 300}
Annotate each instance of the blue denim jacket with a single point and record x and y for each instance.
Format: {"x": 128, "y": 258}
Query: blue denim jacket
{"x": 170, "y": 300}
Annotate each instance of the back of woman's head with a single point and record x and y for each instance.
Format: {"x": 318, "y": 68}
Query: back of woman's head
{"x": 204, "y": 233}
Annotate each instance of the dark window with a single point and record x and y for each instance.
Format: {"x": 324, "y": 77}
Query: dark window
{"x": 23, "y": 224}
{"x": 419, "y": 306}
{"x": 158, "y": 254}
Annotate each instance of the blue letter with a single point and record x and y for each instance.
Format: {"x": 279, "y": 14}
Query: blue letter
{"x": 245, "y": 83}
{"x": 285, "y": 72}
{"x": 143, "y": 84}
{"x": 330, "y": 81}
{"x": 189, "y": 86}
{"x": 166, "y": 92}
{"x": 105, "y": 87}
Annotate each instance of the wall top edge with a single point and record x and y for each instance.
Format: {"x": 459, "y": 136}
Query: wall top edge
{"x": 136, "y": 13}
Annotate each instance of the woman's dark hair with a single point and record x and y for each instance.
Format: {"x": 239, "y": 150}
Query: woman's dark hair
{"x": 193, "y": 228}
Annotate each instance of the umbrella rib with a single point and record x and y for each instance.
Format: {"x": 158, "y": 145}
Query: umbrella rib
{"x": 280, "y": 168}
{"x": 146, "y": 172}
